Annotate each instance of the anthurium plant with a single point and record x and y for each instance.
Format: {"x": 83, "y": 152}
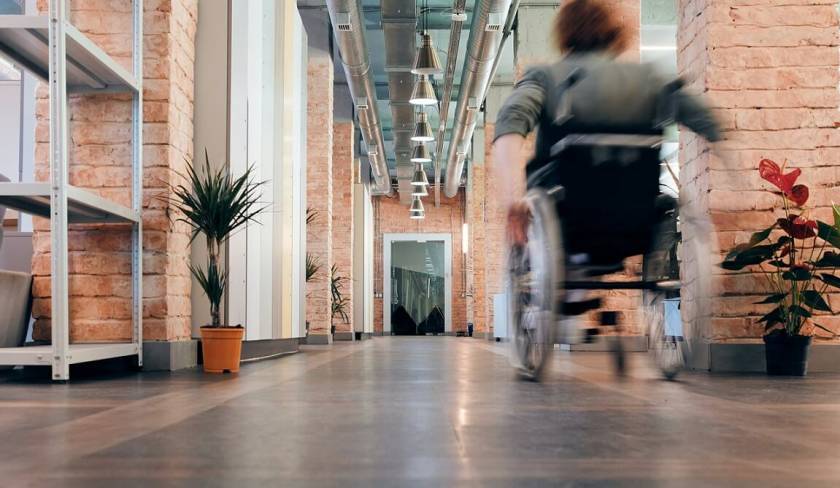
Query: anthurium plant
{"x": 797, "y": 255}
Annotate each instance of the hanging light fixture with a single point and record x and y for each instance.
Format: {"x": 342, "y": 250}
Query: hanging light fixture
{"x": 421, "y": 154}
{"x": 419, "y": 190}
{"x": 422, "y": 129}
{"x": 426, "y": 62}
{"x": 423, "y": 93}
{"x": 418, "y": 216}
{"x": 417, "y": 205}
{"x": 420, "y": 177}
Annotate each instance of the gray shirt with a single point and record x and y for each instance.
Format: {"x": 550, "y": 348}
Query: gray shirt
{"x": 607, "y": 97}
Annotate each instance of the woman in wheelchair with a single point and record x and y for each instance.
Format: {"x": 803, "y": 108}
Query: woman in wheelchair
{"x": 593, "y": 183}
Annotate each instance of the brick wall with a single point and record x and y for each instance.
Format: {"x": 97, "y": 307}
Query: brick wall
{"x": 342, "y": 213}
{"x": 771, "y": 71}
{"x": 319, "y": 189}
{"x": 477, "y": 303}
{"x": 100, "y": 160}
{"x": 392, "y": 217}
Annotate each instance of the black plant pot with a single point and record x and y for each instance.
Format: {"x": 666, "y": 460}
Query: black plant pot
{"x": 786, "y": 355}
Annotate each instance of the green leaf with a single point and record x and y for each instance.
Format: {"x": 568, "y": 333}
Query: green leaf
{"x": 760, "y": 236}
{"x": 814, "y": 300}
{"x": 757, "y": 254}
{"x": 797, "y": 310}
{"x": 732, "y": 265}
{"x": 830, "y": 279}
{"x": 828, "y": 260}
{"x": 733, "y": 254}
{"x": 829, "y": 233}
{"x": 775, "y": 316}
{"x": 797, "y": 274}
{"x": 774, "y": 298}
{"x": 749, "y": 256}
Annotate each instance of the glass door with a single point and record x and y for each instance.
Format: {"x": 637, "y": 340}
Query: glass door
{"x": 418, "y": 287}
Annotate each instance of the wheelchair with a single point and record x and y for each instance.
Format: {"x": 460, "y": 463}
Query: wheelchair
{"x": 594, "y": 204}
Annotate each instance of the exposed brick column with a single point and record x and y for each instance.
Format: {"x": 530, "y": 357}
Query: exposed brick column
{"x": 771, "y": 70}
{"x": 100, "y": 160}
{"x": 342, "y": 214}
{"x": 477, "y": 304}
{"x": 492, "y": 261}
{"x": 319, "y": 188}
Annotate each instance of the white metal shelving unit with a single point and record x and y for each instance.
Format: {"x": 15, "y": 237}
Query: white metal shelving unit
{"x": 50, "y": 47}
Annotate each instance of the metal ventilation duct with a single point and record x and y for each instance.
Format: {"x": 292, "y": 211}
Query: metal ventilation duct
{"x": 482, "y": 49}
{"x": 349, "y": 29}
{"x": 458, "y": 18}
{"x": 399, "y": 21}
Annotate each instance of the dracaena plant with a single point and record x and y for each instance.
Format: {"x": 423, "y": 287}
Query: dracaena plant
{"x": 797, "y": 255}
{"x": 214, "y": 204}
{"x": 339, "y": 301}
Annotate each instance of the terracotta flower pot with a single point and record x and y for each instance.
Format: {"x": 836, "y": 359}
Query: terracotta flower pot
{"x": 221, "y": 348}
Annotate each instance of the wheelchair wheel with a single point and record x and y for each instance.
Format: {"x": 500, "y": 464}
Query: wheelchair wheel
{"x": 535, "y": 271}
{"x": 666, "y": 346}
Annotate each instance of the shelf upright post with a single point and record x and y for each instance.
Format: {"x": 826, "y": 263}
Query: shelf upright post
{"x": 137, "y": 182}
{"x": 60, "y": 319}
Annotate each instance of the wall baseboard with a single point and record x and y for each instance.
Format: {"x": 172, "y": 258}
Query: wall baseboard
{"x": 748, "y": 357}
{"x": 317, "y": 340}
{"x": 268, "y": 348}
{"x": 344, "y": 336}
{"x": 170, "y": 356}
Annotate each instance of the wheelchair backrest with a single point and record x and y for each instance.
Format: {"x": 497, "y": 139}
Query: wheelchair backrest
{"x": 592, "y": 94}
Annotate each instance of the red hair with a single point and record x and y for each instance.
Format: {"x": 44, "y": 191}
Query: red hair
{"x": 589, "y": 25}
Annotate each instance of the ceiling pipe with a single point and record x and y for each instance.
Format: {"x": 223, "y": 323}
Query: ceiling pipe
{"x": 514, "y": 9}
{"x": 349, "y": 29}
{"x": 458, "y": 17}
{"x": 489, "y": 19}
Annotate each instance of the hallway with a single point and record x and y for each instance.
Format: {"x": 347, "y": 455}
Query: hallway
{"x": 419, "y": 412}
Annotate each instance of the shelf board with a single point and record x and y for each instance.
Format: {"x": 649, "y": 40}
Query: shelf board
{"x": 83, "y": 207}
{"x": 24, "y": 39}
{"x": 79, "y": 353}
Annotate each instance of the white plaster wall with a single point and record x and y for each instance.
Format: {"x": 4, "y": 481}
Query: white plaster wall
{"x": 267, "y": 131}
{"x": 211, "y": 115}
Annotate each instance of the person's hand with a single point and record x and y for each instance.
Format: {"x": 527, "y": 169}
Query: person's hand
{"x": 518, "y": 219}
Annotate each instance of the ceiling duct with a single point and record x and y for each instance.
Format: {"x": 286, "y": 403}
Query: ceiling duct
{"x": 482, "y": 49}
{"x": 399, "y": 24}
{"x": 459, "y": 16}
{"x": 349, "y": 30}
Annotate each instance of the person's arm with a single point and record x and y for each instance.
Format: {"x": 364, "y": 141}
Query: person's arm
{"x": 516, "y": 119}
{"x": 508, "y": 160}
{"x": 693, "y": 113}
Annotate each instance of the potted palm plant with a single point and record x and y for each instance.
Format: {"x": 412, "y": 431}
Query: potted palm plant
{"x": 313, "y": 265}
{"x": 798, "y": 258}
{"x": 339, "y": 302}
{"x": 215, "y": 204}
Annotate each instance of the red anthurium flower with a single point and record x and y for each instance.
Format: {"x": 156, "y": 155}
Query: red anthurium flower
{"x": 798, "y": 227}
{"x": 771, "y": 172}
{"x": 798, "y": 195}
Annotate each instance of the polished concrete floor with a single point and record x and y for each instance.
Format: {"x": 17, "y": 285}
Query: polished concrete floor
{"x": 437, "y": 411}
